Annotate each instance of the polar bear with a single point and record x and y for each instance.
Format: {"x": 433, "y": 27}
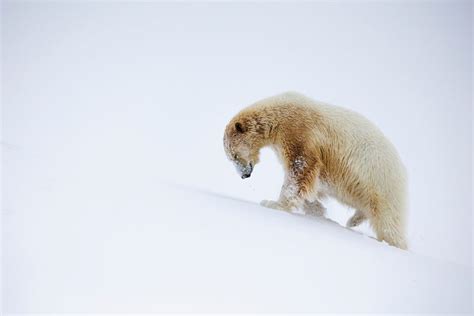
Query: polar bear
{"x": 325, "y": 150}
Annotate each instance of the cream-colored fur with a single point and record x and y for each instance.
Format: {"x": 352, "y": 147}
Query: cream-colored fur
{"x": 326, "y": 151}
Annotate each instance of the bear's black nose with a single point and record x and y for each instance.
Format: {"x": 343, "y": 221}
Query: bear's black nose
{"x": 245, "y": 176}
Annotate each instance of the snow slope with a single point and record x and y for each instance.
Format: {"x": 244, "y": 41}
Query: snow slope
{"x": 192, "y": 250}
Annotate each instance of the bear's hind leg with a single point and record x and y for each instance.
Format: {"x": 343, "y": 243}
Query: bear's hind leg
{"x": 356, "y": 219}
{"x": 389, "y": 227}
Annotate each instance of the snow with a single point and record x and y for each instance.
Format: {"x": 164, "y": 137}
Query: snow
{"x": 192, "y": 250}
{"x": 117, "y": 195}
{"x": 299, "y": 164}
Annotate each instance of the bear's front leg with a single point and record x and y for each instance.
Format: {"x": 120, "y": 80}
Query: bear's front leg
{"x": 290, "y": 199}
{"x": 298, "y": 186}
{"x": 314, "y": 208}
{"x": 277, "y": 205}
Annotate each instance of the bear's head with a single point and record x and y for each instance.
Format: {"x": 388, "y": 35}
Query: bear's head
{"x": 243, "y": 139}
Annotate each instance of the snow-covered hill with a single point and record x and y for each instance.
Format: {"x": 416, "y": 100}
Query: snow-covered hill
{"x": 191, "y": 250}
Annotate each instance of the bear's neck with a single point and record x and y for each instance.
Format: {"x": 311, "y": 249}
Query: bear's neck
{"x": 267, "y": 124}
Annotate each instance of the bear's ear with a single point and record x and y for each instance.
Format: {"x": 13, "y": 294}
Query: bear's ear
{"x": 239, "y": 127}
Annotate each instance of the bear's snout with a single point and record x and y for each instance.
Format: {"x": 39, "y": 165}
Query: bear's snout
{"x": 245, "y": 170}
